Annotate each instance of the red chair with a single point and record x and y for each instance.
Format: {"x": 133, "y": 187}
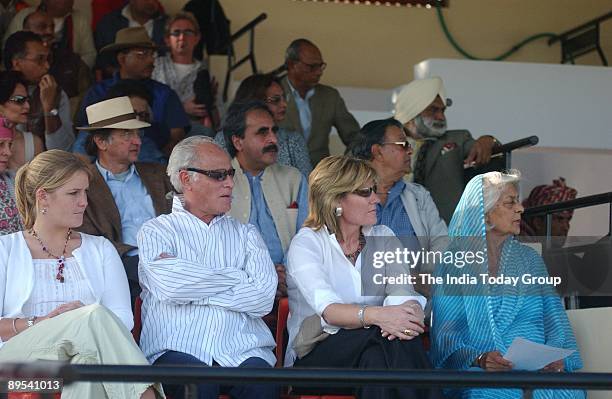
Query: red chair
{"x": 137, "y": 320}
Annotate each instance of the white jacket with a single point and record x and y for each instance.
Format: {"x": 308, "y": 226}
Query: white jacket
{"x": 97, "y": 258}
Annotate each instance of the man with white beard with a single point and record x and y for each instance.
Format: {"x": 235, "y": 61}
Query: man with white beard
{"x": 439, "y": 155}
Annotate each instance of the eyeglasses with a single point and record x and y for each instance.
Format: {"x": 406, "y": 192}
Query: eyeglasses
{"x": 41, "y": 60}
{"x": 218, "y": 174}
{"x": 365, "y": 192}
{"x": 274, "y": 100}
{"x": 315, "y": 67}
{"x": 144, "y": 116}
{"x": 406, "y": 144}
{"x": 143, "y": 54}
{"x": 130, "y": 134}
{"x": 186, "y": 32}
{"x": 19, "y": 99}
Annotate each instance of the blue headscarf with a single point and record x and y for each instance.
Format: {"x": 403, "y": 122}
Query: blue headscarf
{"x": 470, "y": 320}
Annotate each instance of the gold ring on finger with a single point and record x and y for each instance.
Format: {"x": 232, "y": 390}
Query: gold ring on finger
{"x": 408, "y": 332}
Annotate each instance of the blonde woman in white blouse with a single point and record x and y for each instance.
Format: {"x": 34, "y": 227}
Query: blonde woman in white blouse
{"x": 332, "y": 323}
{"x": 64, "y": 295}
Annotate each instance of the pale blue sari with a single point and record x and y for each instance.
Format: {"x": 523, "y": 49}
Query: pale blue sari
{"x": 464, "y": 326}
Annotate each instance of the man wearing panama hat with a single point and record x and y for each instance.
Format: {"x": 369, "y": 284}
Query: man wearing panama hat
{"x": 123, "y": 193}
{"x": 439, "y": 155}
{"x": 135, "y": 54}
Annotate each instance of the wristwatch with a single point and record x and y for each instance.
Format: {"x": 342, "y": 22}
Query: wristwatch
{"x": 30, "y": 321}
{"x": 53, "y": 112}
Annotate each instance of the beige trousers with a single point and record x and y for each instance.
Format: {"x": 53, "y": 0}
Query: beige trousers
{"x": 88, "y": 335}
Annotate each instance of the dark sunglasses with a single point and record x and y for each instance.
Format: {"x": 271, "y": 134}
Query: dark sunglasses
{"x": 274, "y": 99}
{"x": 405, "y": 144}
{"x": 18, "y": 99}
{"x": 365, "y": 192}
{"x": 219, "y": 174}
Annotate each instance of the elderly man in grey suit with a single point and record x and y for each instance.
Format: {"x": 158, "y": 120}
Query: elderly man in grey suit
{"x": 313, "y": 108}
{"x": 440, "y": 155}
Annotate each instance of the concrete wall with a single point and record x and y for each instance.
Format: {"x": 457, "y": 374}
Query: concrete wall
{"x": 377, "y": 46}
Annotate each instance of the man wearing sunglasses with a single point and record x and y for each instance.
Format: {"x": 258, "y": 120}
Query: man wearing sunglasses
{"x": 270, "y": 196}
{"x": 405, "y": 207}
{"x": 49, "y": 117}
{"x": 206, "y": 278}
{"x": 123, "y": 193}
{"x": 441, "y": 156}
{"x": 312, "y": 108}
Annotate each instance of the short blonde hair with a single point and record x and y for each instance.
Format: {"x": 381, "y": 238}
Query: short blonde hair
{"x": 333, "y": 178}
{"x": 49, "y": 170}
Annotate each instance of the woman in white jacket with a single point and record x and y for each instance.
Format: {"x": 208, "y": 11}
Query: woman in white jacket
{"x": 334, "y": 294}
{"x": 64, "y": 295}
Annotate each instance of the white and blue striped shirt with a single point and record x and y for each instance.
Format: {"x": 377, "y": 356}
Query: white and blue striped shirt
{"x": 206, "y": 294}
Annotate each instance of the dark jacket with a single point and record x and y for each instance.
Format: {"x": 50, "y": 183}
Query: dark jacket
{"x": 102, "y": 216}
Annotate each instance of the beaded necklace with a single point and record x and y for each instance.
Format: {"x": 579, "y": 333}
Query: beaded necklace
{"x": 60, "y": 259}
{"x": 352, "y": 257}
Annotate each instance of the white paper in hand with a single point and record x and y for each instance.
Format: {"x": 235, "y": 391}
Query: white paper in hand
{"x": 528, "y": 355}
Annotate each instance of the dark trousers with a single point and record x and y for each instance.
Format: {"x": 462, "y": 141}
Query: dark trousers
{"x": 211, "y": 391}
{"x": 367, "y": 349}
{"x": 130, "y": 263}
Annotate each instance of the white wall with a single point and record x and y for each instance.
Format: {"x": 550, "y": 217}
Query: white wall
{"x": 564, "y": 105}
{"x": 568, "y": 107}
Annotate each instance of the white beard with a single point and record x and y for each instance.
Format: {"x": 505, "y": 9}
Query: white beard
{"x": 428, "y": 127}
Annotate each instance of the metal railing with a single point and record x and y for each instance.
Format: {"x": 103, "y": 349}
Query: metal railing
{"x": 506, "y": 149}
{"x": 308, "y": 377}
{"x": 582, "y": 40}
{"x": 583, "y": 202}
{"x": 232, "y": 64}
{"x": 571, "y": 301}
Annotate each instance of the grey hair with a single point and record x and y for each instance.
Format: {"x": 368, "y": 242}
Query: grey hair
{"x": 293, "y": 51}
{"x": 494, "y": 184}
{"x": 183, "y": 156}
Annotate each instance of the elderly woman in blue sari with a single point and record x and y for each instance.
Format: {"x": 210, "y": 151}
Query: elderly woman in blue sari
{"x": 474, "y": 325}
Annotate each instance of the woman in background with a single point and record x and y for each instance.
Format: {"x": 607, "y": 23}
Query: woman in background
{"x": 15, "y": 107}
{"x": 10, "y": 222}
{"x": 292, "y": 150}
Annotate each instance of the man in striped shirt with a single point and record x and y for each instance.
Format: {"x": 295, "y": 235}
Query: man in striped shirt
{"x": 207, "y": 279}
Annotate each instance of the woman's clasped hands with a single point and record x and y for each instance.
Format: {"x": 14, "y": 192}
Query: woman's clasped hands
{"x": 405, "y": 321}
